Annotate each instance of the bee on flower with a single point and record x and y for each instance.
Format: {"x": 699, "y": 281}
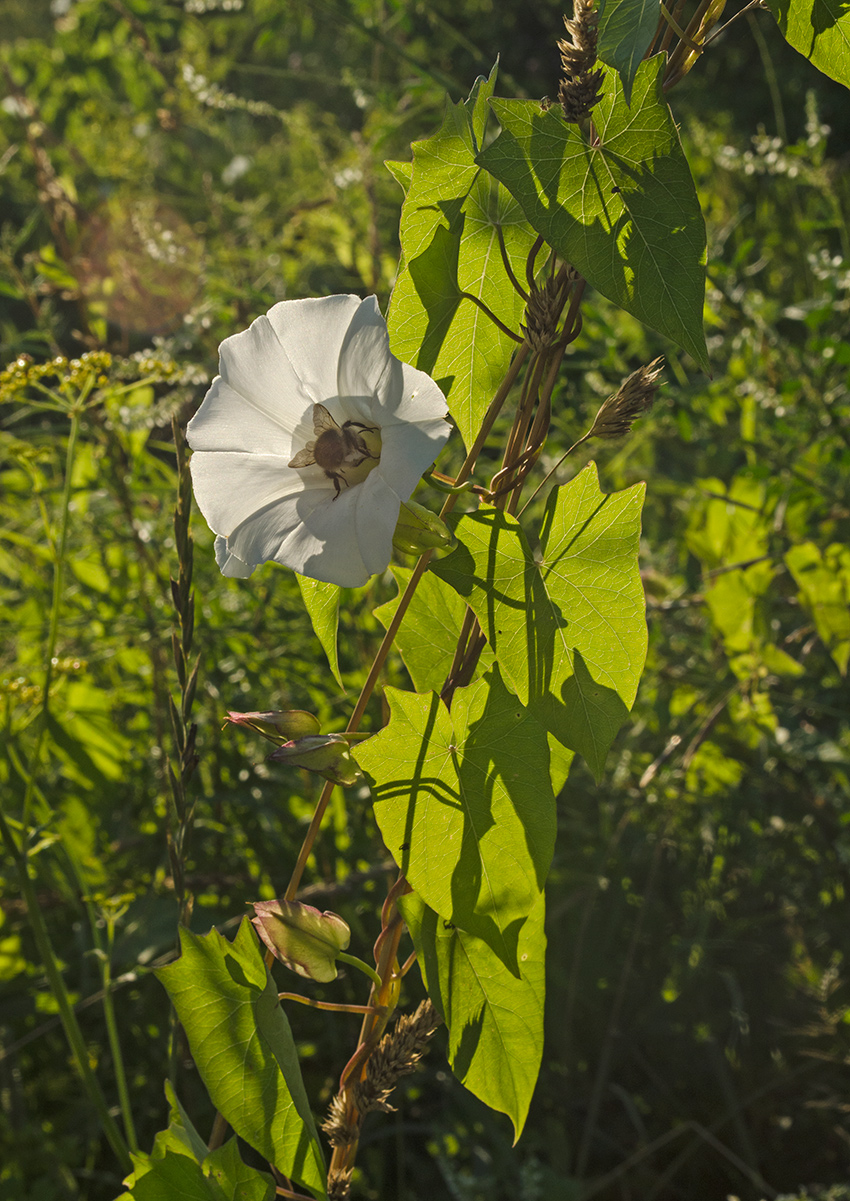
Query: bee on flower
{"x": 310, "y": 439}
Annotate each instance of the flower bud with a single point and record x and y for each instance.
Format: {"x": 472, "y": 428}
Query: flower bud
{"x": 419, "y": 529}
{"x": 306, "y": 940}
{"x": 326, "y": 754}
{"x": 278, "y": 725}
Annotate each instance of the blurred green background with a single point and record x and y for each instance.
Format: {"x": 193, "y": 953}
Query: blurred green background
{"x": 167, "y": 172}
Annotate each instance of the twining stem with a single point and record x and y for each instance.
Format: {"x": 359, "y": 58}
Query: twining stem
{"x": 402, "y": 607}
{"x": 330, "y": 1006}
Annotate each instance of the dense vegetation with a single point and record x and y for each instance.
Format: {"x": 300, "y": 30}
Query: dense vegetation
{"x": 170, "y": 171}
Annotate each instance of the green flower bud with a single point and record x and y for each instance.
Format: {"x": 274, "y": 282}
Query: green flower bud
{"x": 326, "y": 754}
{"x": 306, "y": 940}
{"x": 418, "y": 530}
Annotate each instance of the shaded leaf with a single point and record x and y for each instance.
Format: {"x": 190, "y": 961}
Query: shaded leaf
{"x": 464, "y": 805}
{"x": 566, "y": 624}
{"x": 624, "y": 211}
{"x": 626, "y": 30}
{"x": 494, "y": 1016}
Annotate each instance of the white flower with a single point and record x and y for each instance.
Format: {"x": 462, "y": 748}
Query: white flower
{"x": 309, "y": 366}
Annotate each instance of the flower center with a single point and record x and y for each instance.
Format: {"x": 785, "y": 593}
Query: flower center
{"x": 346, "y": 453}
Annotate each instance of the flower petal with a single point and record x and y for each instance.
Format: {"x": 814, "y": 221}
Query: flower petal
{"x": 229, "y": 564}
{"x": 347, "y": 539}
{"x": 231, "y": 486}
{"x": 365, "y": 361}
{"x": 227, "y": 420}
{"x": 256, "y": 365}
{"x": 312, "y": 332}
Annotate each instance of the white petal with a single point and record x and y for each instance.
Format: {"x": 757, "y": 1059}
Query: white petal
{"x": 312, "y": 333}
{"x": 345, "y": 540}
{"x": 256, "y": 365}
{"x": 365, "y": 359}
{"x": 228, "y": 563}
{"x": 406, "y": 452}
{"x": 420, "y": 399}
{"x": 228, "y": 421}
{"x": 231, "y": 486}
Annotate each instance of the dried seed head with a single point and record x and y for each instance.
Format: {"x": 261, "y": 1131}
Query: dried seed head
{"x": 579, "y": 54}
{"x": 339, "y": 1128}
{"x": 580, "y": 87}
{"x": 339, "y": 1184}
{"x": 541, "y": 315}
{"x": 579, "y": 95}
{"x": 634, "y": 397}
{"x": 397, "y": 1054}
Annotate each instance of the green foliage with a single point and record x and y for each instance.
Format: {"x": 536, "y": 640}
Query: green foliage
{"x": 183, "y": 168}
{"x": 241, "y": 1041}
{"x": 494, "y": 1012}
{"x": 625, "y": 210}
{"x": 565, "y": 621}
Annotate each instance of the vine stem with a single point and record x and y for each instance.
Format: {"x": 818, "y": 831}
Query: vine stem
{"x": 402, "y": 607}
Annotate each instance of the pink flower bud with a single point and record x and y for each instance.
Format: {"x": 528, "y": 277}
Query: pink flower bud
{"x": 306, "y": 940}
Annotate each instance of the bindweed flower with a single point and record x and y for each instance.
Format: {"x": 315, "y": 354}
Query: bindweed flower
{"x": 306, "y": 940}
{"x": 310, "y": 439}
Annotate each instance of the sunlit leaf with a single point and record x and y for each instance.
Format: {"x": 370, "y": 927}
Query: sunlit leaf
{"x": 494, "y": 1015}
{"x": 566, "y": 623}
{"x": 321, "y": 601}
{"x": 450, "y": 245}
{"x": 624, "y": 210}
{"x": 243, "y": 1048}
{"x": 464, "y": 805}
{"x": 429, "y": 632}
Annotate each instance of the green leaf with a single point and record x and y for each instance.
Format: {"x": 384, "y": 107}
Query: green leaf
{"x": 624, "y": 211}
{"x": 820, "y": 31}
{"x": 464, "y": 805}
{"x": 626, "y": 30}
{"x": 824, "y": 583}
{"x": 429, "y": 632}
{"x": 450, "y": 245}
{"x": 401, "y": 172}
{"x": 494, "y": 1017}
{"x": 567, "y": 624}
{"x": 207, "y": 1175}
{"x": 242, "y": 1045}
{"x": 321, "y": 601}
{"x": 235, "y": 1178}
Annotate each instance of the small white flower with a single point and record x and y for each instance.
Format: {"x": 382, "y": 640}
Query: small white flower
{"x": 314, "y": 379}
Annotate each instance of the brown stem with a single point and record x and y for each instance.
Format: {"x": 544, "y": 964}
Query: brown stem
{"x": 489, "y": 312}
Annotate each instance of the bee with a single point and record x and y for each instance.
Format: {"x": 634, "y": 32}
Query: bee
{"x": 335, "y": 448}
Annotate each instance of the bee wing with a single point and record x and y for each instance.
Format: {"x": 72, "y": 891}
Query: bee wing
{"x": 304, "y": 458}
{"x": 322, "y": 420}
